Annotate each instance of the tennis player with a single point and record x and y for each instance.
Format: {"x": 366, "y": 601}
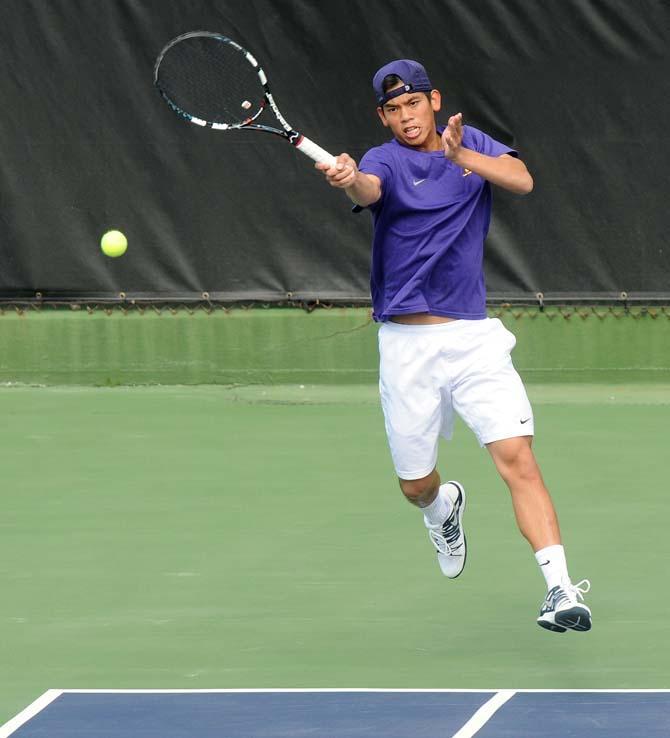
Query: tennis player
{"x": 429, "y": 192}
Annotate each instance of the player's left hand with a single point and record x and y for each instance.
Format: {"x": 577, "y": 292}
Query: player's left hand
{"x": 452, "y": 136}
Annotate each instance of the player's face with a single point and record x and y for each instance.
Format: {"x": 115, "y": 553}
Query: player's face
{"x": 411, "y": 118}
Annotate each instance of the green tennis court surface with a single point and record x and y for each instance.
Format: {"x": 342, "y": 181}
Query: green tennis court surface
{"x": 250, "y": 537}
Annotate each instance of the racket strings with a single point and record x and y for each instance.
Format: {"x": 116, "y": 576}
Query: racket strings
{"x": 211, "y": 80}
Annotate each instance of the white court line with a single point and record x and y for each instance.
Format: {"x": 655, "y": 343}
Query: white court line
{"x": 326, "y": 690}
{"x": 37, "y": 706}
{"x": 279, "y": 690}
{"x": 484, "y": 714}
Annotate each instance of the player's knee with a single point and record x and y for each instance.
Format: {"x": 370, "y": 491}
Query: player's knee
{"x": 420, "y": 491}
{"x": 519, "y": 466}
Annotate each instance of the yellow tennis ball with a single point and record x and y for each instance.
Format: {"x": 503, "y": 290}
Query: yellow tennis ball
{"x": 113, "y": 243}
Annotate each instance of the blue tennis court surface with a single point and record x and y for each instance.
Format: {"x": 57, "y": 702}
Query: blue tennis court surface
{"x": 344, "y": 714}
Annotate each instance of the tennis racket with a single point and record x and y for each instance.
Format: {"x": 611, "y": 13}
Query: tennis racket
{"x": 211, "y": 81}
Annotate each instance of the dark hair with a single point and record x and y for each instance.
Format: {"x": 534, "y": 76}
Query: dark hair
{"x": 391, "y": 80}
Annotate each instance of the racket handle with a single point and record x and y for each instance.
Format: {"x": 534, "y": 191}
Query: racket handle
{"x": 314, "y": 151}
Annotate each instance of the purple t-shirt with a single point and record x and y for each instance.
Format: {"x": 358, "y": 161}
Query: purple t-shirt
{"x": 429, "y": 229}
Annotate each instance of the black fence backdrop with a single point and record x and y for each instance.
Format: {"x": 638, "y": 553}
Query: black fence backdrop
{"x": 580, "y": 87}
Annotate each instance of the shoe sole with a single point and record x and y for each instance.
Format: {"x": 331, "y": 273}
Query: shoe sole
{"x": 576, "y": 618}
{"x": 460, "y": 525}
{"x": 551, "y": 626}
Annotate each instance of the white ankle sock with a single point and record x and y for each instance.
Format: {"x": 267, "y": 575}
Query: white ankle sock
{"x": 438, "y": 510}
{"x": 551, "y": 561}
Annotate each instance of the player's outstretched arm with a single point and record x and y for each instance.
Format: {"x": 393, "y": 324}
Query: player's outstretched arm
{"x": 505, "y": 171}
{"x": 362, "y": 189}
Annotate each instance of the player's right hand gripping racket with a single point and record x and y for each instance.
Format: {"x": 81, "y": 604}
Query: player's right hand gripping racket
{"x": 210, "y": 80}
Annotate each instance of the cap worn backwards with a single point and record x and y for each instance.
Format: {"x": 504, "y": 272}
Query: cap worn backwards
{"x": 412, "y": 73}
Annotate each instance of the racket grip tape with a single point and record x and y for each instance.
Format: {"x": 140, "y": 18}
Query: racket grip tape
{"x": 314, "y": 151}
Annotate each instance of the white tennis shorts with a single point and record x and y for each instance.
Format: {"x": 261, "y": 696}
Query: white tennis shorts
{"x": 429, "y": 372}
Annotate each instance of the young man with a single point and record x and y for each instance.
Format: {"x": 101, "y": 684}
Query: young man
{"x": 429, "y": 192}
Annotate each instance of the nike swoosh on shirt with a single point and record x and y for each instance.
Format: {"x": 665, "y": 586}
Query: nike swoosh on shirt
{"x": 524, "y": 421}
{"x": 416, "y": 182}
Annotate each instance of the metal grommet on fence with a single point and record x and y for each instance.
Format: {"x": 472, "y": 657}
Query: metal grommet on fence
{"x": 623, "y": 296}
{"x": 539, "y": 296}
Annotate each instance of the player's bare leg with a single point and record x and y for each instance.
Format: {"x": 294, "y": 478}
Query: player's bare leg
{"x": 421, "y": 492}
{"x": 536, "y": 517}
{"x": 442, "y": 506}
{"x": 533, "y": 508}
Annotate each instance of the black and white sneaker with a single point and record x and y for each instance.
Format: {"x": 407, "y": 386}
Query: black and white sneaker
{"x": 449, "y": 538}
{"x": 564, "y": 608}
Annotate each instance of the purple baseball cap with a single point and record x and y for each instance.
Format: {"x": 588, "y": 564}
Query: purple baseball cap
{"x": 410, "y": 72}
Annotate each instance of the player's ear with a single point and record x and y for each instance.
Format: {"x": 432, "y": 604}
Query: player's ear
{"x": 382, "y": 117}
{"x": 435, "y": 100}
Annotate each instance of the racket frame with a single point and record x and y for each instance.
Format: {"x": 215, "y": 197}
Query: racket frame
{"x": 297, "y": 139}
